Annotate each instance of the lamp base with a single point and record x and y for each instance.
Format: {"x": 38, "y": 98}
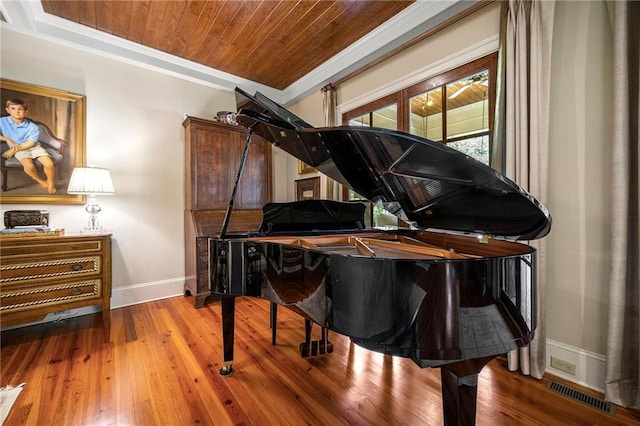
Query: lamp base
{"x": 100, "y": 231}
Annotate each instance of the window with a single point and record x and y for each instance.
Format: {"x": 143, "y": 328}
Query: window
{"x": 385, "y": 117}
{"x": 381, "y": 113}
{"x": 455, "y": 108}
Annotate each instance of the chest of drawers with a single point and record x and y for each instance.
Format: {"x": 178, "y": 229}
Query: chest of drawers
{"x": 41, "y": 275}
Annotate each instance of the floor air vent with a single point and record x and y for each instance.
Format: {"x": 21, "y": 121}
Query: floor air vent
{"x": 579, "y": 396}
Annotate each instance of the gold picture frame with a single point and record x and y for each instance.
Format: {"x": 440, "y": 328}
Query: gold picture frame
{"x": 304, "y": 168}
{"x": 62, "y": 115}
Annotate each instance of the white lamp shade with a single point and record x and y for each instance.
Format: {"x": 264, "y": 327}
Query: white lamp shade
{"x": 90, "y": 180}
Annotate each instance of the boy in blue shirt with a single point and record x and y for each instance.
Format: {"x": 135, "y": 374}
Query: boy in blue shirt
{"x": 21, "y": 137}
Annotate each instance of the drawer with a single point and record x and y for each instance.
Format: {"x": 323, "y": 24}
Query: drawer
{"x": 17, "y": 296}
{"x": 80, "y": 266}
{"x": 64, "y": 247}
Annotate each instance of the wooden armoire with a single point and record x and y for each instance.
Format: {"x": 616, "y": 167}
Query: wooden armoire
{"x": 213, "y": 151}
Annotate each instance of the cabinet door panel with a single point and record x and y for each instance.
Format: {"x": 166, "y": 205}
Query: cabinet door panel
{"x": 213, "y": 183}
{"x": 255, "y": 186}
{"x": 212, "y": 157}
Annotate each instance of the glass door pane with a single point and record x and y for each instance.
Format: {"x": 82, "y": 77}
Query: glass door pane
{"x": 386, "y": 117}
{"x": 468, "y": 106}
{"x": 362, "y": 120}
{"x": 425, "y": 115}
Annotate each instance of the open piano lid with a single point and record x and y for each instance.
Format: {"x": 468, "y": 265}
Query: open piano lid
{"x": 418, "y": 180}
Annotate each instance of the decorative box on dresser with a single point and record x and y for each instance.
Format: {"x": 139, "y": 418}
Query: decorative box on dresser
{"x": 44, "y": 274}
{"x": 213, "y": 151}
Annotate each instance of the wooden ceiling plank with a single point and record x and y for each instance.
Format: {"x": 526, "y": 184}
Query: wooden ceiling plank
{"x": 251, "y": 31}
{"x": 87, "y": 13}
{"x": 188, "y": 20}
{"x": 300, "y": 45}
{"x": 235, "y": 24}
{"x": 201, "y": 28}
{"x": 270, "y": 47}
{"x": 245, "y": 21}
{"x": 139, "y": 15}
{"x": 285, "y": 29}
{"x": 238, "y": 52}
{"x": 249, "y": 53}
{"x": 104, "y": 15}
{"x": 121, "y": 17}
{"x": 358, "y": 20}
{"x": 153, "y": 24}
{"x": 170, "y": 27}
{"x": 217, "y": 28}
{"x": 327, "y": 37}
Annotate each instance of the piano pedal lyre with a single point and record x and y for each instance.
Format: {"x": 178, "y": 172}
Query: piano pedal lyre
{"x": 308, "y": 347}
{"x": 316, "y": 347}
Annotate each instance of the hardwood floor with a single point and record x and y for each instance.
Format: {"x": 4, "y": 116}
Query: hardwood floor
{"x": 161, "y": 365}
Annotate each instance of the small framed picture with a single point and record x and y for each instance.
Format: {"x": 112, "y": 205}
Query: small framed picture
{"x": 307, "y": 189}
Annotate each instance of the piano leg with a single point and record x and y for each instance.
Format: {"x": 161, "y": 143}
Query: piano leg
{"x": 228, "y": 332}
{"x": 460, "y": 391}
{"x": 273, "y": 321}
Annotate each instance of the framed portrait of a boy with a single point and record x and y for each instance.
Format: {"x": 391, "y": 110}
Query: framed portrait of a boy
{"x": 51, "y": 126}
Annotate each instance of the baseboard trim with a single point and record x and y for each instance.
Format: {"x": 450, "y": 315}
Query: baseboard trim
{"x": 590, "y": 366}
{"x": 146, "y": 292}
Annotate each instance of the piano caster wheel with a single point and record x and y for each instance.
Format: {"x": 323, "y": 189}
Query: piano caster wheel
{"x": 226, "y": 370}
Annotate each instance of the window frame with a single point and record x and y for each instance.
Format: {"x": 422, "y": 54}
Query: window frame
{"x": 373, "y": 106}
{"x": 402, "y": 97}
{"x": 488, "y": 62}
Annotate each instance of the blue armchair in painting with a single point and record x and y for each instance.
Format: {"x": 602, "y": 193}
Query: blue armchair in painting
{"x": 55, "y": 147}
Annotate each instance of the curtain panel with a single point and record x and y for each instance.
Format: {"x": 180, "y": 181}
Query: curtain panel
{"x": 623, "y": 338}
{"x": 522, "y": 133}
{"x": 329, "y": 109}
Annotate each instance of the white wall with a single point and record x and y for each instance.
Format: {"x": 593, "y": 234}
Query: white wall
{"x": 580, "y": 175}
{"x": 133, "y": 128}
{"x": 578, "y": 245}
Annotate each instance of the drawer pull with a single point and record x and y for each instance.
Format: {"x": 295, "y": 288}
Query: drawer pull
{"x": 76, "y": 291}
{"x": 77, "y": 267}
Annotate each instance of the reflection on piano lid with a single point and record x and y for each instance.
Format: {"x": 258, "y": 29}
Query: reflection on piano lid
{"x": 312, "y": 215}
{"x": 420, "y": 181}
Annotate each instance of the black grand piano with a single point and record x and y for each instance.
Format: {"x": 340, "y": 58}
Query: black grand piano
{"x": 452, "y": 290}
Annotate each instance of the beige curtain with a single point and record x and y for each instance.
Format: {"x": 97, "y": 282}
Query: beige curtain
{"x": 623, "y": 345}
{"x": 522, "y": 130}
{"x": 329, "y": 107}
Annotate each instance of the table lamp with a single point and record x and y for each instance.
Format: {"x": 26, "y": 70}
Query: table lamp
{"x": 91, "y": 181}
